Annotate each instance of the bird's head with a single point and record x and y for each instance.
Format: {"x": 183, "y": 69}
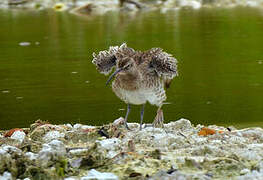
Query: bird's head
{"x": 124, "y": 66}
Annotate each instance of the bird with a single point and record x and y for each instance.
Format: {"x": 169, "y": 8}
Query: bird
{"x": 139, "y": 76}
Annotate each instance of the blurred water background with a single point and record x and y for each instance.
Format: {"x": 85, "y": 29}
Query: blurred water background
{"x": 46, "y": 71}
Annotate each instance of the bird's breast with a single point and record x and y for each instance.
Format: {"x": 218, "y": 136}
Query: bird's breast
{"x": 136, "y": 89}
{"x": 128, "y": 82}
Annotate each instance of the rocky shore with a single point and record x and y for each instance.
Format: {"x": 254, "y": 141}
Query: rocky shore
{"x": 180, "y": 150}
{"x": 88, "y": 7}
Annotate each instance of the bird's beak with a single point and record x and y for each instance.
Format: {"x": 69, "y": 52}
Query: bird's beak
{"x": 112, "y": 75}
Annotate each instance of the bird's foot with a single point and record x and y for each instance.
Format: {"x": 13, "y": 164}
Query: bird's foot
{"x": 127, "y": 127}
{"x": 140, "y": 127}
{"x": 159, "y": 119}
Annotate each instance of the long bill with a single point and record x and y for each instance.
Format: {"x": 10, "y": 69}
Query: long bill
{"x": 112, "y": 75}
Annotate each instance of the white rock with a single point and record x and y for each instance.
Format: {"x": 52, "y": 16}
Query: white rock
{"x": 177, "y": 141}
{"x": 77, "y": 126}
{"x": 24, "y": 43}
{"x": 93, "y": 174}
{"x": 181, "y": 124}
{"x": 31, "y": 156}
{"x": 5, "y": 91}
{"x": 2, "y": 152}
{"x": 26, "y": 179}
{"x": 169, "y": 4}
{"x": 87, "y": 127}
{"x": 252, "y": 133}
{"x": 69, "y": 125}
{"x": 77, "y": 151}
{"x": 195, "y": 4}
{"x": 252, "y": 3}
{"x": 237, "y": 140}
{"x": 180, "y": 159}
{"x": 58, "y": 147}
{"x": 112, "y": 154}
{"x": 118, "y": 121}
{"x": 18, "y": 135}
{"x": 130, "y": 7}
{"x": 186, "y": 3}
{"x": 200, "y": 139}
{"x": 244, "y": 171}
{"x": 248, "y": 155}
{"x": 110, "y": 144}
{"x": 76, "y": 163}
{"x": 81, "y": 126}
{"x": 48, "y": 151}
{"x": 71, "y": 178}
{"x": 216, "y": 142}
{"x": 255, "y": 146}
{"x": 6, "y": 176}
{"x": 10, "y": 149}
{"x": 51, "y": 135}
{"x": 160, "y": 139}
{"x": 254, "y": 175}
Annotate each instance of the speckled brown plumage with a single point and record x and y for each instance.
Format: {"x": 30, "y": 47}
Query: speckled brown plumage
{"x": 140, "y": 77}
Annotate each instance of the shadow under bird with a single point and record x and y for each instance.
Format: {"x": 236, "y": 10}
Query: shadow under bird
{"x": 140, "y": 77}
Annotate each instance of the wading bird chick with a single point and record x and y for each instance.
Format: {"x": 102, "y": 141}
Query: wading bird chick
{"x": 140, "y": 77}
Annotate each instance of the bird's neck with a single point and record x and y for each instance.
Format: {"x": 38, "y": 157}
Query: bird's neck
{"x": 128, "y": 80}
{"x": 129, "y": 76}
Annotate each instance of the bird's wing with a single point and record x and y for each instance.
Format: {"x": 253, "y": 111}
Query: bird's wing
{"x": 105, "y": 60}
{"x": 162, "y": 63}
{"x": 124, "y": 52}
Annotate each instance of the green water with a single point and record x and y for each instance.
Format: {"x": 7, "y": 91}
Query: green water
{"x": 220, "y": 54}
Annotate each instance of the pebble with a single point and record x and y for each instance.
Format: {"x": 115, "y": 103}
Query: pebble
{"x": 55, "y": 148}
{"x": 18, "y": 135}
{"x": 24, "y": 43}
{"x": 31, "y": 156}
{"x": 77, "y": 151}
{"x": 94, "y": 174}
{"x": 110, "y": 144}
{"x": 71, "y": 178}
{"x": 244, "y": 171}
{"x": 51, "y": 135}
{"x": 11, "y": 149}
{"x": 5, "y": 91}
{"x": 6, "y": 176}
{"x": 77, "y": 126}
{"x": 69, "y": 126}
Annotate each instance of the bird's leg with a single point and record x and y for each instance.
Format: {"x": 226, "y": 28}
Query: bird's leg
{"x": 142, "y": 112}
{"x": 159, "y": 119}
{"x": 126, "y": 116}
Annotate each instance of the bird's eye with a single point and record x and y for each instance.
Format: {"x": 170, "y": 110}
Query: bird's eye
{"x": 128, "y": 66}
